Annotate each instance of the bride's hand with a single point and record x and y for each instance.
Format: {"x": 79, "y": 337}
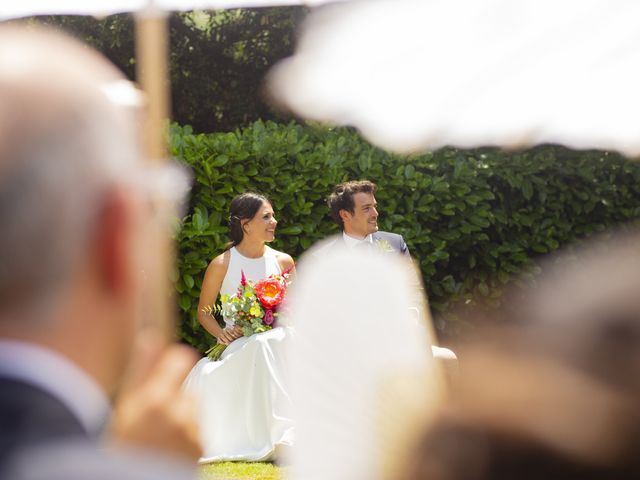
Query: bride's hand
{"x": 237, "y": 332}
{"x": 229, "y": 334}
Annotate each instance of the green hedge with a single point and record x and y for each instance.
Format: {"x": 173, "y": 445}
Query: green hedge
{"x": 472, "y": 218}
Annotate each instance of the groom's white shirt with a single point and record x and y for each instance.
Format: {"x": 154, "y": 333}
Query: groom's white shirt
{"x": 51, "y": 372}
{"x": 354, "y": 242}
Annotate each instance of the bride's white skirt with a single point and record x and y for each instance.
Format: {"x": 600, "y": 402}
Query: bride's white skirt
{"x": 244, "y": 399}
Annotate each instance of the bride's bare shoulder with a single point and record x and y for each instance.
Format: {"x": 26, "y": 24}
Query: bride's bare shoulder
{"x": 284, "y": 260}
{"x": 221, "y": 262}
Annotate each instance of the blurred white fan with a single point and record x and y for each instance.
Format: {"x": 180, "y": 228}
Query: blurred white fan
{"x": 416, "y": 74}
{"x": 361, "y": 365}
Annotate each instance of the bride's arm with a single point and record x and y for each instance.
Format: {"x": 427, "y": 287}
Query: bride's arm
{"x": 286, "y": 263}
{"x": 211, "y": 285}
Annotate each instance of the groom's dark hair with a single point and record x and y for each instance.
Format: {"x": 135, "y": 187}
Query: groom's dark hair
{"x": 342, "y": 197}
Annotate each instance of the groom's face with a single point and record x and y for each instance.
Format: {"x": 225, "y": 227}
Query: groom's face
{"x": 364, "y": 219}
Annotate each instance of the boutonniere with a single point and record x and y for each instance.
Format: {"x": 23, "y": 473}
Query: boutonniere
{"x": 383, "y": 245}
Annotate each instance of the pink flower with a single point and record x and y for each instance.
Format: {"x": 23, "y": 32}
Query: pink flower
{"x": 268, "y": 317}
{"x": 243, "y": 279}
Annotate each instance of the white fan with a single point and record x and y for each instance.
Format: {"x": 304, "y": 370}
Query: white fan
{"x": 416, "y": 74}
{"x": 361, "y": 365}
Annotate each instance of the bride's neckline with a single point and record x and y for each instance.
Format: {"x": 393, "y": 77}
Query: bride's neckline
{"x": 251, "y": 258}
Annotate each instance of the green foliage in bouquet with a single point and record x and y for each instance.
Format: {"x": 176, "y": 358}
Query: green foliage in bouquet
{"x": 247, "y": 307}
{"x": 473, "y": 219}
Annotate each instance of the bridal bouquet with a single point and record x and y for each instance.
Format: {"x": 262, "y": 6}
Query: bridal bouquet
{"x": 254, "y": 307}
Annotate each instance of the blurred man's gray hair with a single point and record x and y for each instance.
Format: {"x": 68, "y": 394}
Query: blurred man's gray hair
{"x": 63, "y": 140}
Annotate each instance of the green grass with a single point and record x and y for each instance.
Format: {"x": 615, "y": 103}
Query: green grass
{"x": 241, "y": 471}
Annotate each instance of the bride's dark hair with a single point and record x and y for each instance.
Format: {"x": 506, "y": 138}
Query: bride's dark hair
{"x": 243, "y": 207}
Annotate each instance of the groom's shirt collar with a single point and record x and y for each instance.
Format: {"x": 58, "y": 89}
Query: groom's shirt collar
{"x": 352, "y": 242}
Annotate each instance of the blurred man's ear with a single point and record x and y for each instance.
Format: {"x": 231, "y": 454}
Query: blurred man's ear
{"x": 345, "y": 215}
{"x": 114, "y": 242}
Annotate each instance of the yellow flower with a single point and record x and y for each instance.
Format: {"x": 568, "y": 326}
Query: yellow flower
{"x": 255, "y": 310}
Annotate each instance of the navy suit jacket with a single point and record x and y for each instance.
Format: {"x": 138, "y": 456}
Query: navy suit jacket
{"x": 30, "y": 416}
{"x": 41, "y": 439}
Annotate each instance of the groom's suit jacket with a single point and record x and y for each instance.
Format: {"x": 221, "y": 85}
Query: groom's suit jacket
{"x": 381, "y": 240}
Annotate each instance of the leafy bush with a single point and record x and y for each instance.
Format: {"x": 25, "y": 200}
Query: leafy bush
{"x": 472, "y": 218}
{"x": 217, "y": 59}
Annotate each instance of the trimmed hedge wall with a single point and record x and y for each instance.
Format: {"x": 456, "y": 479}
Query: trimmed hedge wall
{"x": 472, "y": 218}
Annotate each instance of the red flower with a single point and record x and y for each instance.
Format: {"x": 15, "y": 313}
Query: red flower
{"x": 270, "y": 292}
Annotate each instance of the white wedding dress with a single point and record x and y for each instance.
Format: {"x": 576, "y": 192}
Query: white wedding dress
{"x": 243, "y": 398}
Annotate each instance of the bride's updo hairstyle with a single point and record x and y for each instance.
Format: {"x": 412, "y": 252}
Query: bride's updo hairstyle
{"x": 243, "y": 207}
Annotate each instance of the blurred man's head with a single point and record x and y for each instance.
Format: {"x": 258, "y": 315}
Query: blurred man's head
{"x": 353, "y": 207}
{"x": 72, "y": 224}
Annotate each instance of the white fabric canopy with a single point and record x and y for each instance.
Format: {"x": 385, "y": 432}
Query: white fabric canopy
{"x": 419, "y": 74}
{"x": 24, "y": 8}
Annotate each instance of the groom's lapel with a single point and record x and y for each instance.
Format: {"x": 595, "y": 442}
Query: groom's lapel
{"x": 375, "y": 238}
{"x": 383, "y": 244}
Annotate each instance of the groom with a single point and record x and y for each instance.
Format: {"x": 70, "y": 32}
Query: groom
{"x": 354, "y": 208}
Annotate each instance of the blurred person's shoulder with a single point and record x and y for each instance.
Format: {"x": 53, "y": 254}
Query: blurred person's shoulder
{"x": 327, "y": 246}
{"x": 75, "y": 460}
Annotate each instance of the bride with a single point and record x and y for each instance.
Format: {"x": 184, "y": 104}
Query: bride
{"x": 243, "y": 397}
